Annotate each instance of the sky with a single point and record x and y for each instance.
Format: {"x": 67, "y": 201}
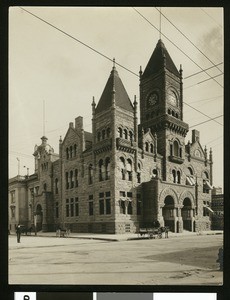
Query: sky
{"x": 53, "y": 75}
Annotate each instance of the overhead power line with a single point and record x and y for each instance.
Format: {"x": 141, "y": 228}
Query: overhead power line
{"x": 211, "y": 18}
{"x": 84, "y": 44}
{"x": 212, "y": 119}
{"x": 93, "y": 49}
{"x": 203, "y": 81}
{"x": 175, "y": 45}
{"x": 188, "y": 39}
{"x": 203, "y": 113}
{"x": 202, "y": 71}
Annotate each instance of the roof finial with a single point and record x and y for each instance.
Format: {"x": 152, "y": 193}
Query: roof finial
{"x": 160, "y": 24}
{"x": 114, "y": 63}
{"x": 44, "y": 121}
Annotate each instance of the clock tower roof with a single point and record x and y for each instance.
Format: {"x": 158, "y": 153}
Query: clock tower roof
{"x": 160, "y": 58}
{"x": 114, "y": 93}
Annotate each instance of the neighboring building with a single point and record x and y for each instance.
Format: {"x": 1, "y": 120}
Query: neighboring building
{"x": 124, "y": 175}
{"x": 218, "y": 209}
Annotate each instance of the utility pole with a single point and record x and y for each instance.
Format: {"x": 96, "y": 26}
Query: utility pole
{"x": 18, "y": 166}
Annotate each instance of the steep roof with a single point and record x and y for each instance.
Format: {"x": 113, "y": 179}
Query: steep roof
{"x": 156, "y": 61}
{"x": 114, "y": 87}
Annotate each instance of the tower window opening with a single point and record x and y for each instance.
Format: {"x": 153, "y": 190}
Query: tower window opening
{"x": 107, "y": 168}
{"x": 75, "y": 150}
{"x": 108, "y": 132}
{"x": 67, "y": 153}
{"x": 76, "y": 178}
{"x": 126, "y": 134}
{"x": 178, "y": 176}
{"x": 103, "y": 134}
{"x": 129, "y": 169}
{"x": 120, "y": 132}
{"x": 174, "y": 176}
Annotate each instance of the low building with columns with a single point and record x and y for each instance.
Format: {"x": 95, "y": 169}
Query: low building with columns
{"x": 126, "y": 173}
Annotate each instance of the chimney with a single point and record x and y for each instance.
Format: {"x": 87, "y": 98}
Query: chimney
{"x": 195, "y": 136}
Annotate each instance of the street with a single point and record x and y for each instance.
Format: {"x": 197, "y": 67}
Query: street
{"x": 181, "y": 260}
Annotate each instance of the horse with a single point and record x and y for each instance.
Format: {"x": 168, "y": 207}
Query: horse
{"x": 165, "y": 230}
{"x": 62, "y": 232}
{"x": 26, "y": 230}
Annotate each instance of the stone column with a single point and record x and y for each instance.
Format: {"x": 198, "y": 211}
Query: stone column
{"x": 160, "y": 216}
{"x": 180, "y": 220}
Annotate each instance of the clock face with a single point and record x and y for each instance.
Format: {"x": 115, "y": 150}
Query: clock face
{"x": 153, "y": 99}
{"x": 172, "y": 98}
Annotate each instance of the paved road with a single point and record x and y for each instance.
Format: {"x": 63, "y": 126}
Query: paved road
{"x": 174, "y": 261}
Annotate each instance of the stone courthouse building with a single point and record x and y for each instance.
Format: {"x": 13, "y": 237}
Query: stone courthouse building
{"x": 126, "y": 173}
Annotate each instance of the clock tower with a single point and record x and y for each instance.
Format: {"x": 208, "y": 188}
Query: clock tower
{"x": 161, "y": 105}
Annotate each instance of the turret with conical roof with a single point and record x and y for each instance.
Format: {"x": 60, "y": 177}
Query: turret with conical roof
{"x": 114, "y": 91}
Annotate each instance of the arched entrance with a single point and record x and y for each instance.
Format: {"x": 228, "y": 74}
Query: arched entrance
{"x": 168, "y": 212}
{"x": 186, "y": 213}
{"x": 38, "y": 217}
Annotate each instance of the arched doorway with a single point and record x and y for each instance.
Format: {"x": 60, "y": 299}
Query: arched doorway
{"x": 38, "y": 217}
{"x": 168, "y": 212}
{"x": 186, "y": 213}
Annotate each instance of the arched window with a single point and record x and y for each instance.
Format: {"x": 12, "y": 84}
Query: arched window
{"x": 101, "y": 170}
{"x": 75, "y": 150}
{"x": 190, "y": 180}
{"x": 174, "y": 176}
{"x": 130, "y": 208}
{"x": 151, "y": 148}
{"x": 138, "y": 173}
{"x": 103, "y": 134}
{"x": 71, "y": 180}
{"x": 147, "y": 147}
{"x": 126, "y": 134}
{"x": 120, "y": 132}
{"x": 175, "y": 148}
{"x": 190, "y": 171}
{"x": 76, "y": 177}
{"x": 67, "y": 180}
{"x": 131, "y": 136}
{"x": 107, "y": 168}
{"x": 122, "y": 167}
{"x": 56, "y": 186}
{"x": 108, "y": 132}
{"x": 155, "y": 173}
{"x": 90, "y": 173}
{"x": 67, "y": 153}
{"x": 206, "y": 183}
{"x": 71, "y": 151}
{"x": 173, "y": 113}
{"x": 169, "y": 111}
{"x": 129, "y": 169}
{"x": 178, "y": 176}
{"x": 98, "y": 136}
{"x": 44, "y": 187}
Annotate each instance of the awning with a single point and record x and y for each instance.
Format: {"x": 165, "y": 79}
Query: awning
{"x": 190, "y": 180}
{"x": 207, "y": 185}
{"x": 209, "y": 209}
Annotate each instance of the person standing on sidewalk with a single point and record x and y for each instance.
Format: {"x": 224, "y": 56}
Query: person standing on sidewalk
{"x": 18, "y": 232}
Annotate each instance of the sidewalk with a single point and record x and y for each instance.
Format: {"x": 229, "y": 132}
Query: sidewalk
{"x": 126, "y": 236}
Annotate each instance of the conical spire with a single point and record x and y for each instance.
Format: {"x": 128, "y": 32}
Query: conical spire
{"x": 160, "y": 58}
{"x": 114, "y": 91}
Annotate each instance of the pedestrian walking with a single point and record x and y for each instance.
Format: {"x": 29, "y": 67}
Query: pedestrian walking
{"x": 18, "y": 232}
